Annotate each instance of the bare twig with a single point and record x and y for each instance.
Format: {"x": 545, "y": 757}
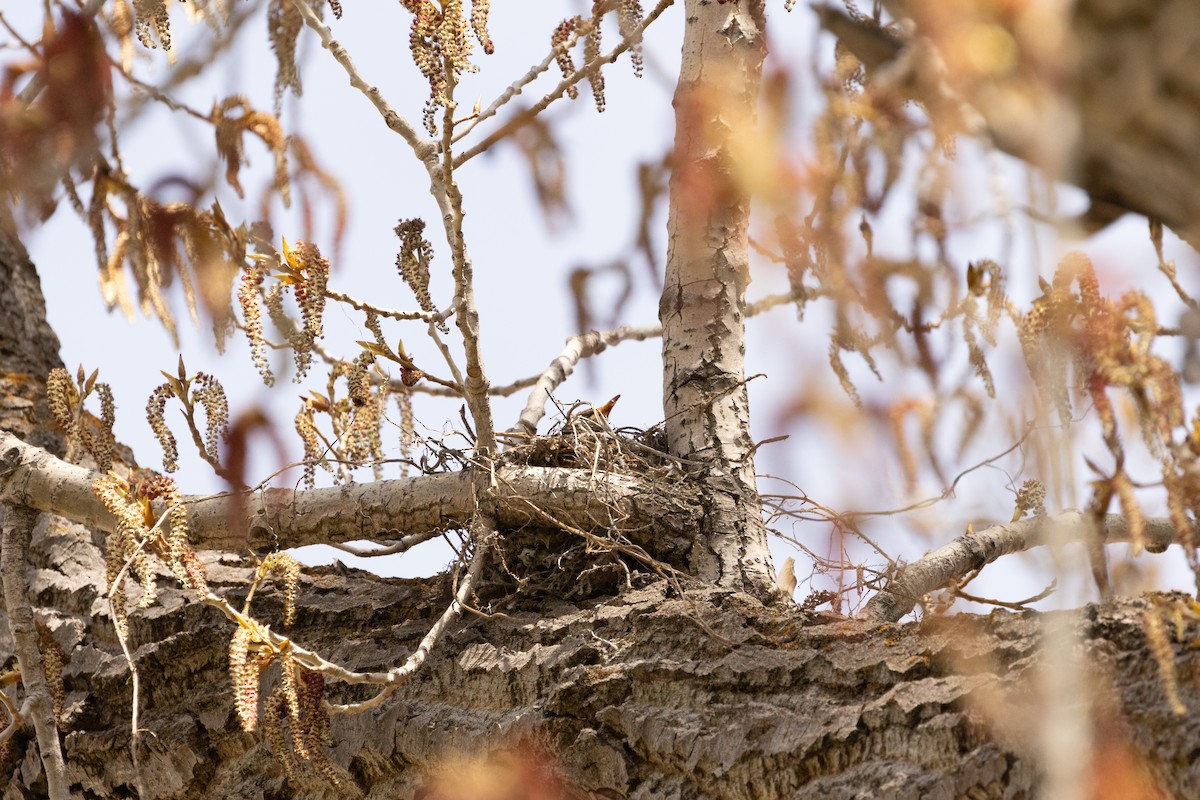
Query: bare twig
{"x": 977, "y": 548}
{"x": 445, "y": 190}
{"x": 524, "y": 117}
{"x": 391, "y": 313}
{"x": 515, "y": 88}
{"x": 312, "y": 661}
{"x": 1014, "y": 605}
{"x": 15, "y": 717}
{"x": 482, "y": 538}
{"x": 18, "y": 533}
{"x": 423, "y": 147}
{"x": 405, "y": 544}
{"x": 593, "y": 343}
{"x": 129, "y": 660}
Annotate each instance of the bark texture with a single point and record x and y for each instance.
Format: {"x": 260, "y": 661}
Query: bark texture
{"x": 627, "y": 698}
{"x": 384, "y": 511}
{"x": 703, "y": 302}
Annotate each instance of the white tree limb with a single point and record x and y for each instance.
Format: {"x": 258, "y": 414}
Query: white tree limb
{"x": 979, "y": 548}
{"x": 578, "y": 347}
{"x": 382, "y": 511}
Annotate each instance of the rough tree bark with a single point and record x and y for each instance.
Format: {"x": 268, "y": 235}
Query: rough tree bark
{"x": 646, "y": 695}
{"x": 704, "y": 296}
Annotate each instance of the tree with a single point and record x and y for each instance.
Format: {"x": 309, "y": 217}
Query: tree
{"x": 613, "y": 626}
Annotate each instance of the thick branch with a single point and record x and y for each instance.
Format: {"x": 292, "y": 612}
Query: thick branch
{"x": 18, "y": 531}
{"x": 381, "y": 511}
{"x": 979, "y": 548}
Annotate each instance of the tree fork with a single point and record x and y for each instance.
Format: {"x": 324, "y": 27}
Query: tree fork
{"x": 704, "y": 293}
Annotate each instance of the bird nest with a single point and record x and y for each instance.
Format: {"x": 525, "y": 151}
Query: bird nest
{"x": 587, "y": 441}
{"x": 537, "y": 559}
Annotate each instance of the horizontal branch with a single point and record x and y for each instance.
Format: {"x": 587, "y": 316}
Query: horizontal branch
{"x": 976, "y": 549}
{"x": 380, "y": 511}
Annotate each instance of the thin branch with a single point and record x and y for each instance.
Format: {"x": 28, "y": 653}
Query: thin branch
{"x": 593, "y": 343}
{"x": 155, "y": 93}
{"x": 515, "y": 88}
{"x": 361, "y": 305}
{"x": 1014, "y": 605}
{"x": 948, "y": 490}
{"x": 32, "y": 48}
{"x": 123, "y": 640}
{"x": 405, "y": 544}
{"x": 975, "y": 549}
{"x": 18, "y": 533}
{"x": 421, "y": 146}
{"x": 523, "y": 118}
{"x": 312, "y": 661}
{"x": 15, "y": 718}
{"x": 445, "y": 190}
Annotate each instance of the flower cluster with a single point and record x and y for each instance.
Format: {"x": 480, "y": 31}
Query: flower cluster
{"x": 248, "y": 298}
{"x": 134, "y": 539}
{"x": 156, "y": 408}
{"x": 413, "y": 260}
{"x": 200, "y": 390}
{"x": 297, "y": 724}
{"x": 247, "y": 660}
{"x": 284, "y": 23}
{"x": 209, "y": 394}
{"x": 560, "y": 40}
{"x": 440, "y": 42}
{"x": 54, "y": 658}
{"x": 307, "y": 275}
{"x": 629, "y": 17}
{"x": 153, "y": 20}
{"x": 288, "y": 569}
{"x": 591, "y": 53}
{"x": 310, "y": 436}
{"x": 94, "y": 435}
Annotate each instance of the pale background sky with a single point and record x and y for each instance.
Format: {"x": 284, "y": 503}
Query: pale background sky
{"x": 521, "y": 268}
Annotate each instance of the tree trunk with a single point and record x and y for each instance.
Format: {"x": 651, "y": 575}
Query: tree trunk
{"x": 704, "y": 294}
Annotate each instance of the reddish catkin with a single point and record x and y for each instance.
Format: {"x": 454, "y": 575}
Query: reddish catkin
{"x": 559, "y": 39}
{"x": 248, "y": 300}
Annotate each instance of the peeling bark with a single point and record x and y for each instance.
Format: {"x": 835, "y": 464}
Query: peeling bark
{"x": 660, "y": 517}
{"x": 704, "y": 294}
{"x": 976, "y": 549}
